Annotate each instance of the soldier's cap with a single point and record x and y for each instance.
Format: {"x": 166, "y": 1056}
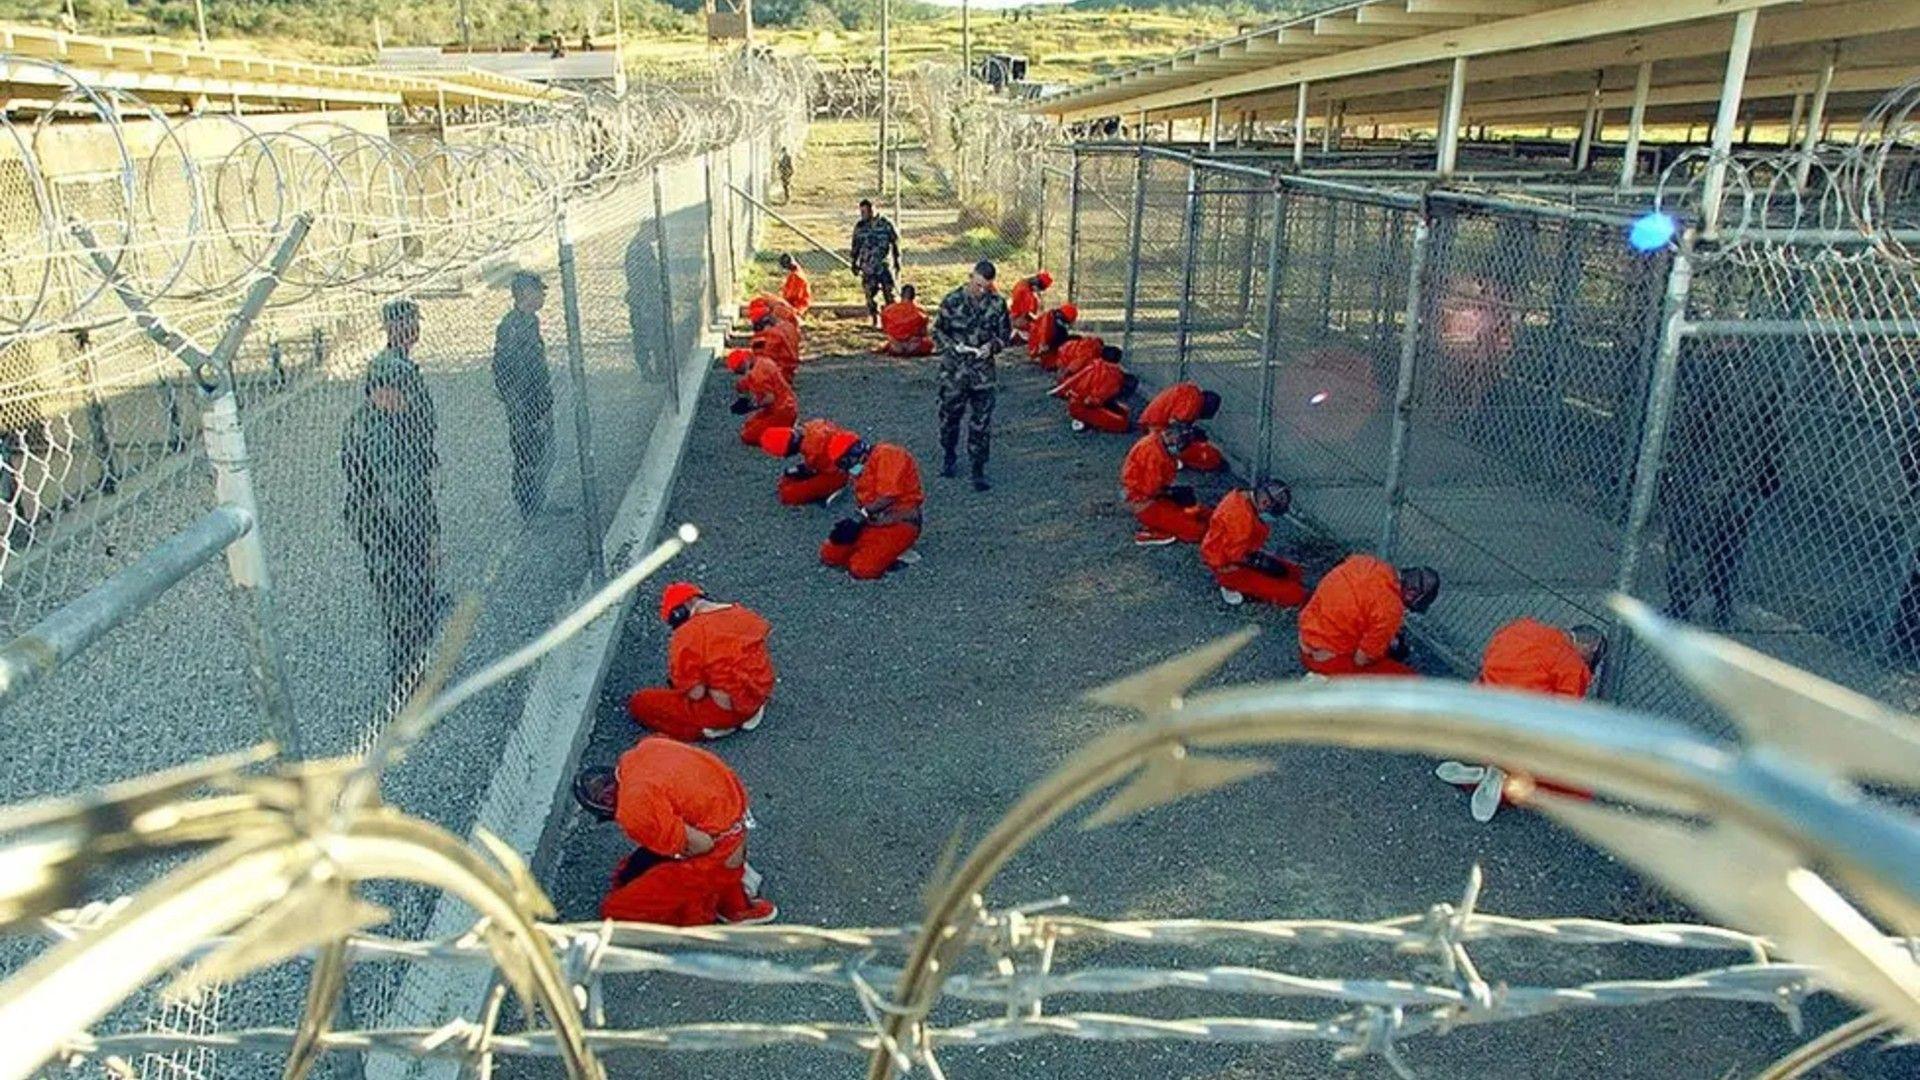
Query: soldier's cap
{"x": 676, "y": 595}
{"x": 389, "y": 369}
{"x": 779, "y": 442}
{"x": 985, "y": 269}
{"x": 400, "y": 311}
{"x": 524, "y": 280}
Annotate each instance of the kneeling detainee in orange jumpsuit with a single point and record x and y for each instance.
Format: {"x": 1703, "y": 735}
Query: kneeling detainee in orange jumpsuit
{"x": 766, "y": 399}
{"x": 1527, "y": 654}
{"x": 886, "y": 487}
{"x": 688, "y": 813}
{"x": 1094, "y": 394}
{"x": 1235, "y": 549}
{"x": 905, "y": 326}
{"x": 719, "y": 674}
{"x": 1166, "y": 513}
{"x": 1351, "y": 625}
{"x": 1050, "y": 331}
{"x": 1184, "y": 404}
{"x": 818, "y": 478}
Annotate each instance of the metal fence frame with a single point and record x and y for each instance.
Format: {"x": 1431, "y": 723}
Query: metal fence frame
{"x": 1373, "y": 265}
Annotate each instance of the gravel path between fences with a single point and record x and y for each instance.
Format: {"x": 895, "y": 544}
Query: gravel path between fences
{"x": 925, "y": 704}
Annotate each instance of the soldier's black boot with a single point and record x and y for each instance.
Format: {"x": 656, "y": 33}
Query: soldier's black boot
{"x": 948, "y": 467}
{"x": 980, "y": 482}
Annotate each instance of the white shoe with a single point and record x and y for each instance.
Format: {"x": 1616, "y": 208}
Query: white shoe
{"x": 711, "y": 733}
{"x": 1459, "y": 772}
{"x": 837, "y": 492}
{"x": 1077, "y": 425}
{"x": 1147, "y": 539}
{"x": 1231, "y": 597}
{"x": 1486, "y": 797}
{"x": 753, "y": 721}
{"x": 1313, "y": 676}
{"x": 751, "y": 879}
{"x": 909, "y": 557}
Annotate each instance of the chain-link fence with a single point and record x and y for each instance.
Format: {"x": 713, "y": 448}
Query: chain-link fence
{"x": 448, "y": 396}
{"x": 1491, "y": 386}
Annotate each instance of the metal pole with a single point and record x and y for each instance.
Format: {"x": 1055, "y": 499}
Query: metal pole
{"x": 577, "y": 372}
{"x": 1073, "y": 228}
{"x": 1793, "y": 120}
{"x": 1326, "y": 133}
{"x": 1213, "y": 125}
{"x": 200, "y": 20}
{"x": 1190, "y": 255}
{"x": 1583, "y": 148}
{"x": 1816, "y": 117}
{"x": 1636, "y": 121}
{"x": 1396, "y": 483}
{"x": 1133, "y": 251}
{"x": 667, "y": 358}
{"x": 966, "y": 46}
{"x": 80, "y": 622}
{"x": 1270, "y": 339}
{"x": 1300, "y": 128}
{"x": 226, "y": 447}
{"x": 1449, "y": 148}
{"x": 466, "y": 28}
{"x": 1714, "y": 188}
{"x": 1653, "y": 441}
{"x": 886, "y": 90}
{"x": 1329, "y": 245}
{"x": 714, "y": 299}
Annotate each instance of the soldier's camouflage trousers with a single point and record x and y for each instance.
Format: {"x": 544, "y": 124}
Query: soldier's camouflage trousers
{"x": 976, "y": 403}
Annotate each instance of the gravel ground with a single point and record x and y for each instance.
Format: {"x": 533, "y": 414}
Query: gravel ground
{"x": 921, "y": 706}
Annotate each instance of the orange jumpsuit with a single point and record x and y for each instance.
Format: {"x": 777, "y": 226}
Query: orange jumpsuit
{"x": 906, "y": 328}
{"x": 1144, "y": 478}
{"x": 1049, "y": 333}
{"x": 1023, "y": 305}
{"x": 1356, "y": 608}
{"x": 892, "y": 477}
{"x": 1077, "y": 354}
{"x": 666, "y": 786}
{"x": 796, "y": 292}
{"x": 724, "y": 650}
{"x": 1091, "y": 395}
{"x": 781, "y": 344}
{"x": 1527, "y": 654}
{"x": 1237, "y": 532}
{"x": 777, "y": 407}
{"x": 824, "y": 475}
{"x": 1180, "y": 404}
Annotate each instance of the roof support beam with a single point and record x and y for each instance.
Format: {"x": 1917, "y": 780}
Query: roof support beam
{"x": 1816, "y": 116}
{"x": 1300, "y": 128}
{"x": 1389, "y": 15}
{"x": 1449, "y": 149}
{"x": 1636, "y": 120}
{"x": 1715, "y": 185}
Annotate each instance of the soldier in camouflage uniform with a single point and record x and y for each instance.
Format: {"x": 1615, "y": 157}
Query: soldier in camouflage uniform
{"x": 387, "y": 454}
{"x": 972, "y": 326}
{"x": 875, "y": 243}
{"x": 525, "y": 387}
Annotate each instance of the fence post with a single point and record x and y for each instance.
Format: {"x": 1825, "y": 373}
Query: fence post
{"x": 1133, "y": 249}
{"x": 1189, "y": 256}
{"x": 1653, "y": 442}
{"x": 713, "y": 252}
{"x": 1329, "y": 242}
{"x": 577, "y": 373}
{"x": 1270, "y": 335}
{"x": 1396, "y": 484}
{"x": 1073, "y": 228}
{"x": 667, "y": 360}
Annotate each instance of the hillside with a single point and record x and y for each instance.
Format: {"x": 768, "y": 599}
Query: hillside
{"x": 1062, "y": 44}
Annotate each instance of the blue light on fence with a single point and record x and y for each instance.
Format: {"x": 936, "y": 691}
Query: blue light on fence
{"x": 1652, "y": 231}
